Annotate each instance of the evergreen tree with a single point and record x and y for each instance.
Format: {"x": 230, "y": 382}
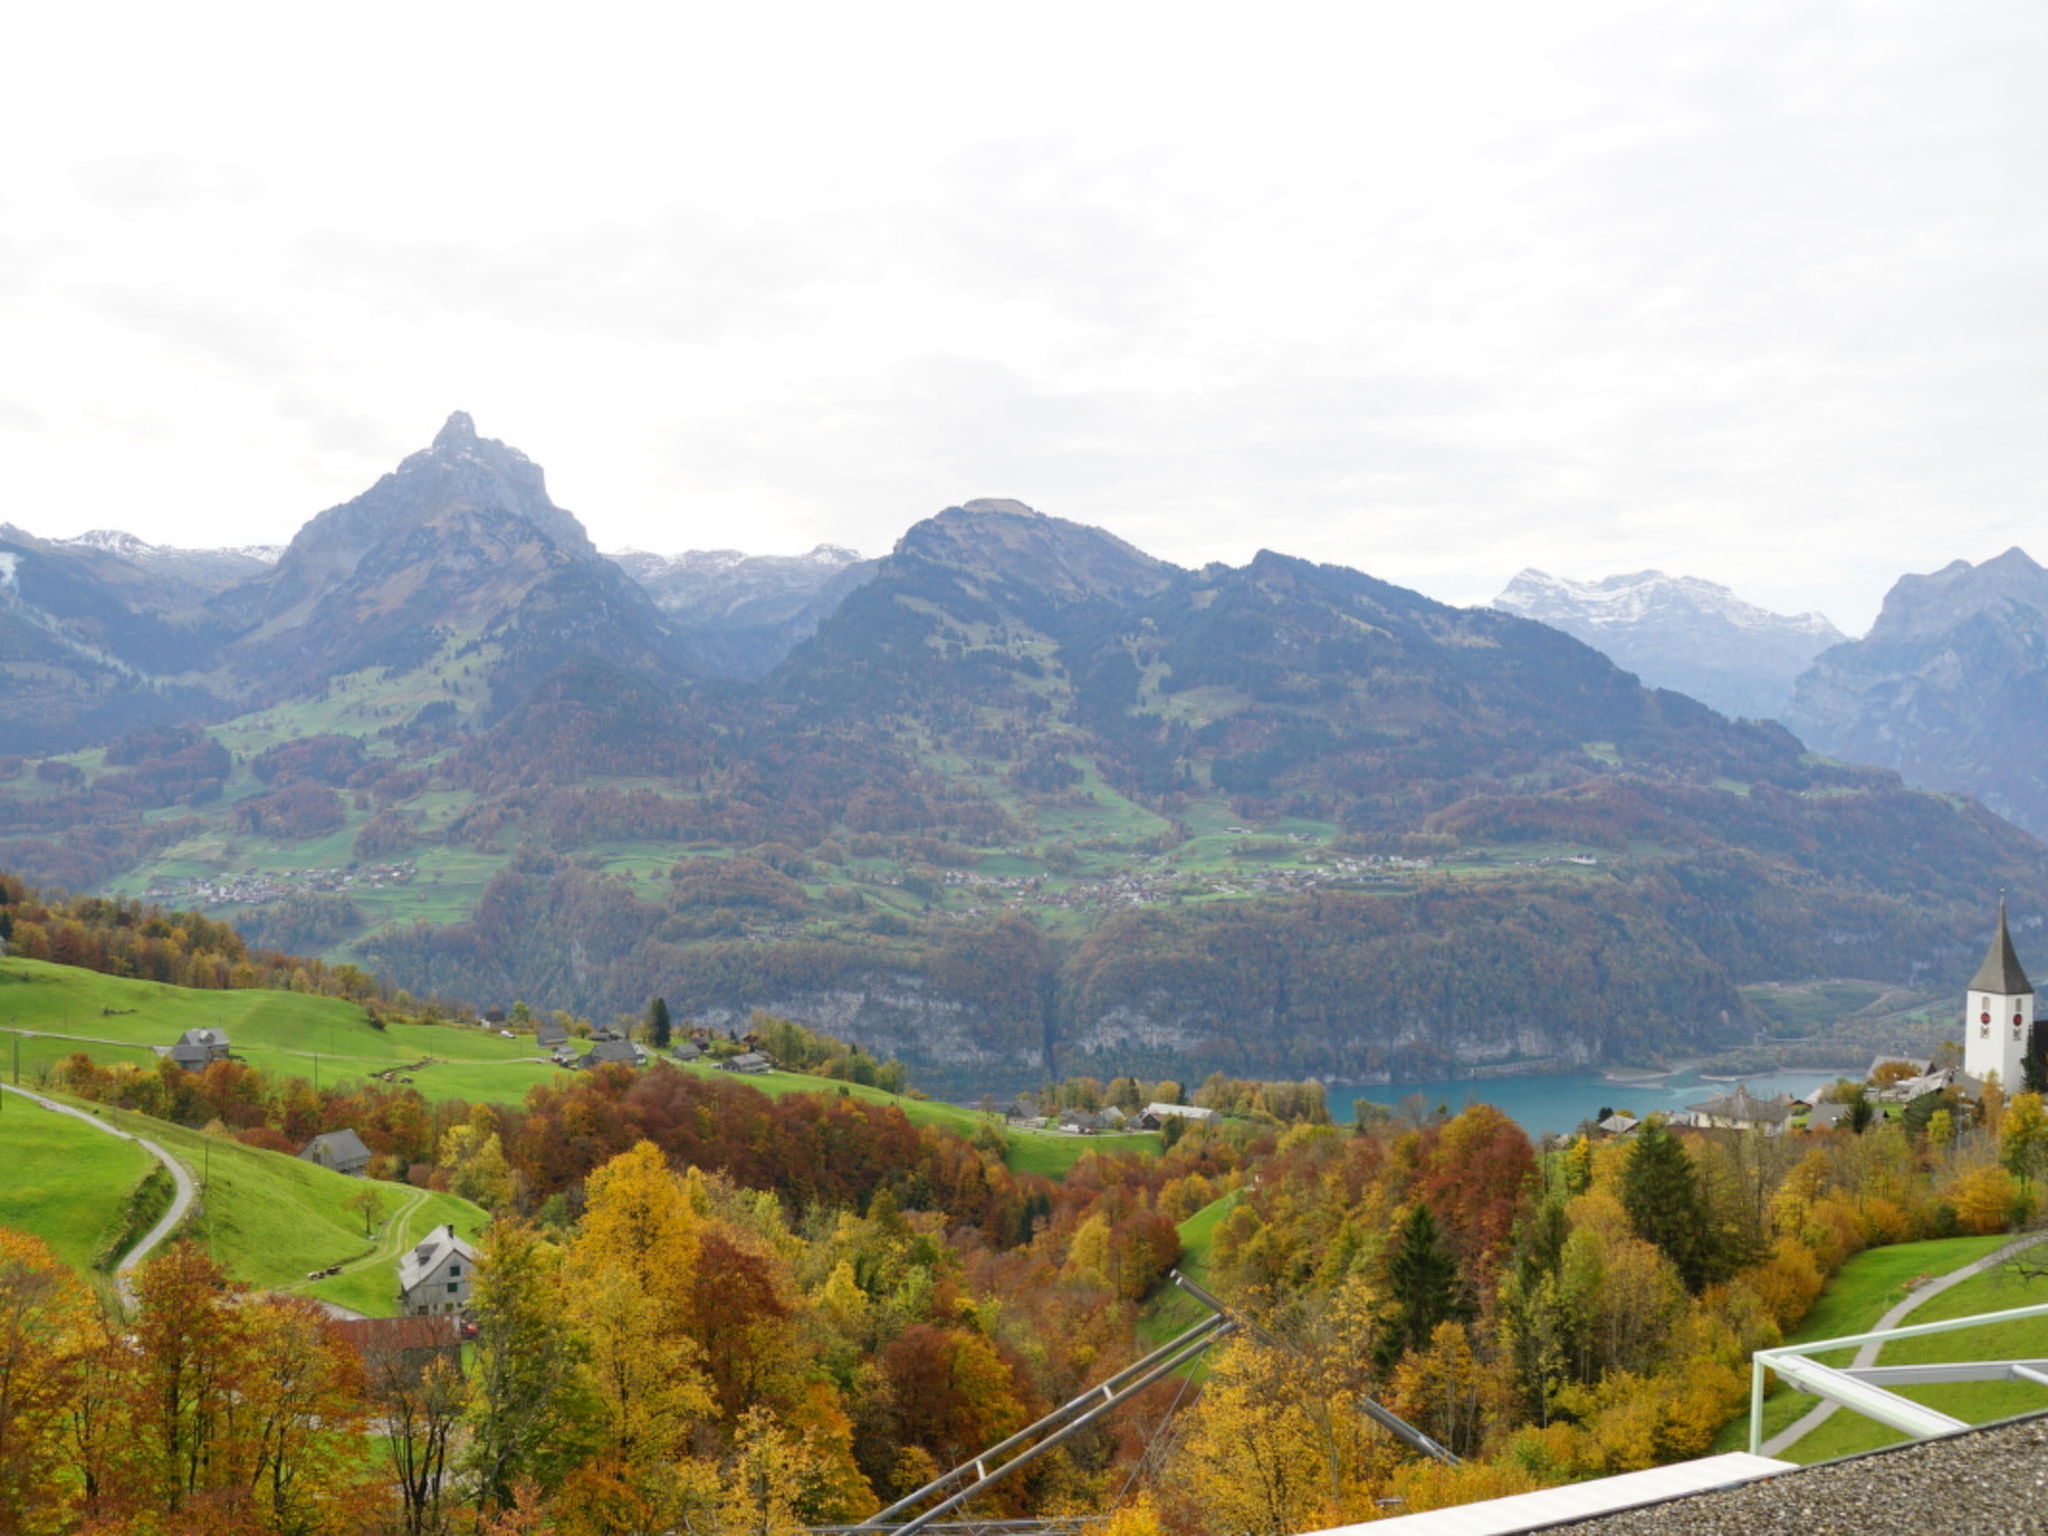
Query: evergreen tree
{"x": 1422, "y": 1277}
{"x": 1660, "y": 1190}
{"x": 658, "y": 1024}
{"x": 1861, "y": 1112}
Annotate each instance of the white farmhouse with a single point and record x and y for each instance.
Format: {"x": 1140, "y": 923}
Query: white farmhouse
{"x": 436, "y": 1275}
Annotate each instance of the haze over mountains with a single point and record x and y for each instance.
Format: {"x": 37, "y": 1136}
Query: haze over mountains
{"x": 1681, "y": 632}
{"x": 1016, "y": 794}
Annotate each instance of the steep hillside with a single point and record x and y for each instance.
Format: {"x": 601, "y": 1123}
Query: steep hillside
{"x": 1027, "y": 797}
{"x": 1950, "y": 687}
{"x": 1682, "y": 633}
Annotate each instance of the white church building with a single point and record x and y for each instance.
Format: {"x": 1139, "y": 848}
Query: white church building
{"x": 1998, "y": 1022}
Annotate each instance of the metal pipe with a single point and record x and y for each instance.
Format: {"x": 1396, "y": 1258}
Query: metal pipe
{"x": 911, "y": 1527}
{"x": 1202, "y": 1330}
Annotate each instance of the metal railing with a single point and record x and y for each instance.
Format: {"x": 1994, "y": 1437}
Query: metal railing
{"x": 1862, "y": 1389}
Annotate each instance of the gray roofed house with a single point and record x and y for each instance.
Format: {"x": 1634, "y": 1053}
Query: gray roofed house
{"x": 549, "y": 1033}
{"x": 1826, "y": 1115}
{"x": 342, "y": 1151}
{"x": 436, "y": 1275}
{"x": 1157, "y": 1112}
{"x": 614, "y": 1049}
{"x": 747, "y": 1061}
{"x": 197, "y": 1047}
{"x": 1741, "y": 1111}
{"x": 686, "y": 1050}
{"x": 1617, "y": 1124}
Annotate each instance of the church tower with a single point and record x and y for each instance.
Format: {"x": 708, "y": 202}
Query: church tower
{"x": 1998, "y": 1014}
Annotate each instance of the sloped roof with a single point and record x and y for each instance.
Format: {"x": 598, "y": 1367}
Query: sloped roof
{"x": 1741, "y": 1105}
{"x": 336, "y": 1149}
{"x": 427, "y": 1256}
{"x": 2001, "y": 972}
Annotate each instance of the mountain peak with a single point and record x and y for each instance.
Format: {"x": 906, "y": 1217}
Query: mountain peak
{"x": 459, "y": 431}
{"x": 1001, "y": 504}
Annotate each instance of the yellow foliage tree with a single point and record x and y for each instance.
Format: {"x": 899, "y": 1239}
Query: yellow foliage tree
{"x": 1983, "y": 1199}
{"x": 47, "y": 1325}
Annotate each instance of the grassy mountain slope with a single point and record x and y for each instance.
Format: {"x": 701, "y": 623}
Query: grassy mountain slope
{"x": 66, "y": 1182}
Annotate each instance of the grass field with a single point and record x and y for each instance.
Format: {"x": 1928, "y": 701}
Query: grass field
{"x": 47, "y": 1012}
{"x": 1170, "y": 1310}
{"x": 64, "y": 1181}
{"x": 1998, "y": 1289}
{"x": 269, "y": 1219}
{"x": 281, "y": 1032}
{"x": 1858, "y": 1294}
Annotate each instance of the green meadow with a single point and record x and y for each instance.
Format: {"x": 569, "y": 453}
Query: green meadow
{"x": 269, "y": 1219}
{"x": 1857, "y": 1296}
{"x": 65, "y": 1182}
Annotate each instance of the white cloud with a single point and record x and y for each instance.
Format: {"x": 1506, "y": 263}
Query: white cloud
{"x": 1747, "y": 290}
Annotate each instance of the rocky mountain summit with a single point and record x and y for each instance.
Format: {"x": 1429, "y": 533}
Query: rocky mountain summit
{"x": 1950, "y": 687}
{"x": 1682, "y": 633}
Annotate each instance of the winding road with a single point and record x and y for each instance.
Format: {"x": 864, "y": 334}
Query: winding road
{"x": 181, "y": 1202}
{"x": 1821, "y": 1412}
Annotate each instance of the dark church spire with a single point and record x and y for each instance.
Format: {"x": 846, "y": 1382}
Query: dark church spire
{"x": 2001, "y": 974}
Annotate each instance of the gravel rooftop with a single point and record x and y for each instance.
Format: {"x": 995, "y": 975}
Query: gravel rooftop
{"x": 1982, "y": 1482}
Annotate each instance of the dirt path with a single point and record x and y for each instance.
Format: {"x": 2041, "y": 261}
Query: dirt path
{"x": 390, "y": 1244}
{"x": 1867, "y": 1355}
{"x": 181, "y": 1202}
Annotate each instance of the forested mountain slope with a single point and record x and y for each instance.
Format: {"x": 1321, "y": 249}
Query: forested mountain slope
{"x": 1950, "y": 687}
{"x": 1027, "y": 794}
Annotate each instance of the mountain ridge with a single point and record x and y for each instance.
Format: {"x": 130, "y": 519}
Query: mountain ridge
{"x": 1024, "y": 794}
{"x": 1681, "y": 632}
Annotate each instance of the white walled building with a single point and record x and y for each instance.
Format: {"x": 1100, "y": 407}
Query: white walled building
{"x": 436, "y": 1276}
{"x": 1998, "y": 1014}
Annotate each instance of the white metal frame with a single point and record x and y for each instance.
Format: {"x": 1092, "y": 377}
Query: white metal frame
{"x": 1862, "y": 1389}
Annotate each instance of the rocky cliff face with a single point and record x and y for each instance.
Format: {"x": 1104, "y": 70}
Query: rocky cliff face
{"x": 458, "y": 552}
{"x": 1950, "y": 687}
{"x": 1682, "y": 633}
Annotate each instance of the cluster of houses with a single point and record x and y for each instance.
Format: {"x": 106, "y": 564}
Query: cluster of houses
{"x": 1895, "y": 1080}
{"x": 270, "y": 885}
{"x": 608, "y": 1045}
{"x": 1025, "y": 1114}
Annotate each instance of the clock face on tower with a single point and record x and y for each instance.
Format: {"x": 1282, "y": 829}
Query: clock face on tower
{"x": 1983, "y": 1018}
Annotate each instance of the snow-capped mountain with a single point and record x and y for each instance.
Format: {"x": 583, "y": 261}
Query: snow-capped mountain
{"x": 208, "y": 570}
{"x": 1681, "y": 632}
{"x": 744, "y": 611}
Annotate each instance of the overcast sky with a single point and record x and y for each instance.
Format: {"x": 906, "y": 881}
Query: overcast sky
{"x": 1748, "y": 291}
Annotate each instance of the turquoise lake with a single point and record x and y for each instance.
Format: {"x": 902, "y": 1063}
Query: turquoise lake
{"x": 1542, "y": 1105}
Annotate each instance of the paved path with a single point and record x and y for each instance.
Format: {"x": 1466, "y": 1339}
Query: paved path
{"x": 181, "y": 1202}
{"x": 1867, "y": 1355}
